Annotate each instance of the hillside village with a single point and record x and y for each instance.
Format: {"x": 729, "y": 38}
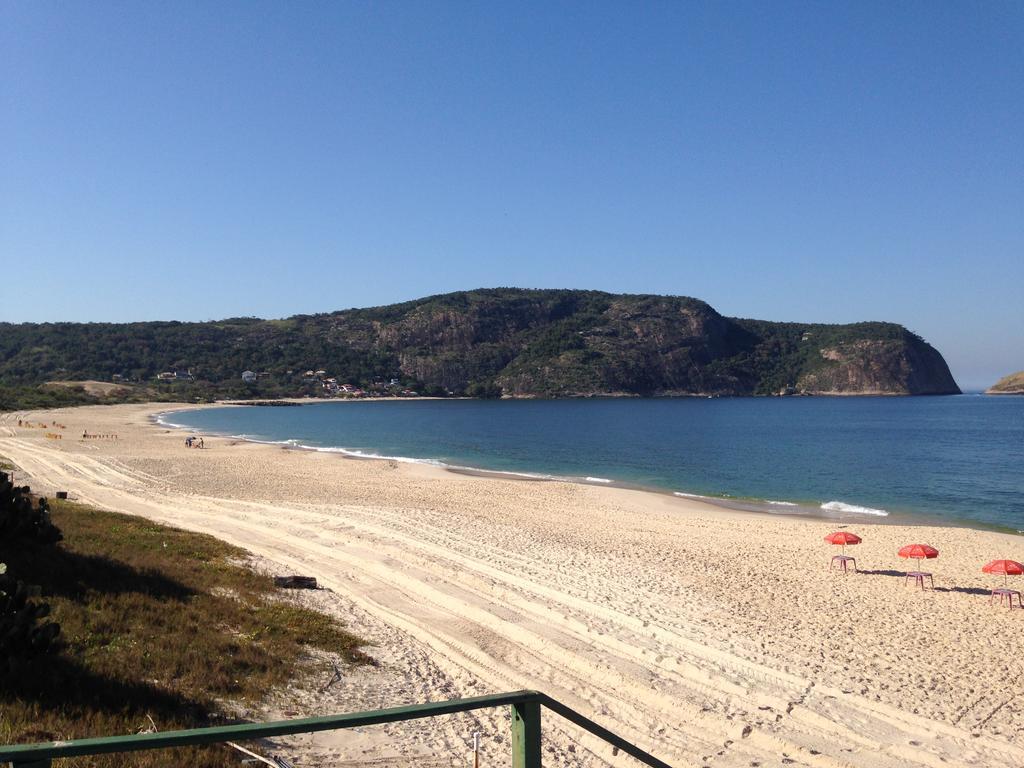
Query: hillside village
{"x": 319, "y": 382}
{"x": 331, "y": 387}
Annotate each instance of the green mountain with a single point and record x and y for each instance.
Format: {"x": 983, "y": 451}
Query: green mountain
{"x": 510, "y": 342}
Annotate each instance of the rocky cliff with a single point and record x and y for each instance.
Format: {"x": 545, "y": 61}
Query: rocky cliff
{"x": 879, "y": 366}
{"x": 496, "y": 342}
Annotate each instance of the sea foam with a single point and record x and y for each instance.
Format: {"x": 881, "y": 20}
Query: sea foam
{"x": 840, "y": 506}
{"x": 163, "y": 421}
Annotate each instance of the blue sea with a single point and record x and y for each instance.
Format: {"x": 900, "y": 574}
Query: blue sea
{"x": 957, "y": 459}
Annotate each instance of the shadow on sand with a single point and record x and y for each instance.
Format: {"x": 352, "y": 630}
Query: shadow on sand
{"x": 903, "y": 574}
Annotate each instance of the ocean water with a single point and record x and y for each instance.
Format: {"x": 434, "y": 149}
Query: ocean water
{"x": 954, "y": 459}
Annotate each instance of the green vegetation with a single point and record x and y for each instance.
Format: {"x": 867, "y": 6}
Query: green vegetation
{"x": 24, "y": 633}
{"x": 15, "y": 397}
{"x": 491, "y": 342}
{"x": 158, "y": 627}
{"x": 785, "y": 353}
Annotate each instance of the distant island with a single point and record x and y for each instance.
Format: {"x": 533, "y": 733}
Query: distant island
{"x": 503, "y": 342}
{"x": 1008, "y": 385}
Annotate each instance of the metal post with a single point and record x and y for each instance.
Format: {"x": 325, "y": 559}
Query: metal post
{"x": 526, "y": 735}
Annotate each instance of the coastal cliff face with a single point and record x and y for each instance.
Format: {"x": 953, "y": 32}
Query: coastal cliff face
{"x": 883, "y": 367}
{"x": 496, "y": 342}
{"x": 1008, "y": 385}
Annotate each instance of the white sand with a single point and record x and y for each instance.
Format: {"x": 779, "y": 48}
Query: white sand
{"x": 706, "y": 636}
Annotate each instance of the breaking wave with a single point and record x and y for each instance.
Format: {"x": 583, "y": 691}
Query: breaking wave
{"x": 841, "y": 506}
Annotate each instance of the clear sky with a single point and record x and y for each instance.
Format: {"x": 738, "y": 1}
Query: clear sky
{"x": 823, "y": 162}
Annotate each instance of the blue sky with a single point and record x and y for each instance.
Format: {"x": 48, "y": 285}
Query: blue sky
{"x": 820, "y": 162}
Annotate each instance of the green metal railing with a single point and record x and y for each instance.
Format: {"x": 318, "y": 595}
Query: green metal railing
{"x": 526, "y": 742}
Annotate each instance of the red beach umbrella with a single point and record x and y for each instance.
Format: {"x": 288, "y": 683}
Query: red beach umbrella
{"x": 1005, "y": 567}
{"x": 918, "y": 552}
{"x": 842, "y": 538}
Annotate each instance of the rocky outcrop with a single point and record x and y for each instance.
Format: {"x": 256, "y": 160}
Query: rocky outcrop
{"x": 906, "y": 366}
{"x": 1008, "y": 385}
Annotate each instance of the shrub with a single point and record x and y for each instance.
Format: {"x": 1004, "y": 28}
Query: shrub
{"x": 22, "y": 524}
{"x": 23, "y": 633}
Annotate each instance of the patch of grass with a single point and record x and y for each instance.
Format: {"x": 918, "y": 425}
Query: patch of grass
{"x": 6, "y": 465}
{"x": 158, "y": 623}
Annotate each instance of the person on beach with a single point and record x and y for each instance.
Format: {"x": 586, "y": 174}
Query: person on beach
{"x": 188, "y": 441}
{"x": 200, "y": 442}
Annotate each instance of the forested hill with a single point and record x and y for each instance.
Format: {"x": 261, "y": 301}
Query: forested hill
{"x": 508, "y": 342}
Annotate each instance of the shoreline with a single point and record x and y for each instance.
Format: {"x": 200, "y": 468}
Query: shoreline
{"x": 843, "y": 514}
{"x": 691, "y": 629}
{"x": 734, "y": 505}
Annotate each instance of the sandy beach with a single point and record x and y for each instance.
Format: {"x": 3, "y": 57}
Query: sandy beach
{"x": 707, "y": 636}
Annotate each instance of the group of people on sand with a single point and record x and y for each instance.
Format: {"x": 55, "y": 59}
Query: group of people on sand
{"x": 194, "y": 442}
{"x": 93, "y": 436}
{"x": 40, "y": 425}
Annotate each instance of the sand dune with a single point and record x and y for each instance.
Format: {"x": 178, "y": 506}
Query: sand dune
{"x": 706, "y": 636}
